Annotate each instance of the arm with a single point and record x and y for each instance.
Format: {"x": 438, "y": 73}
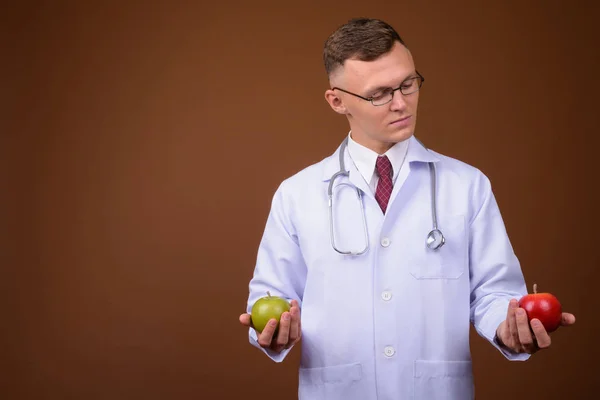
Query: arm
{"x": 495, "y": 271}
{"x": 280, "y": 268}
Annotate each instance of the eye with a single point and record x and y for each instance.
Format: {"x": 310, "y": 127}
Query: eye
{"x": 407, "y": 84}
{"x": 382, "y": 93}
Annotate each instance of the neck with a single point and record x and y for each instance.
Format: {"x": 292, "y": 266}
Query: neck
{"x": 378, "y": 147}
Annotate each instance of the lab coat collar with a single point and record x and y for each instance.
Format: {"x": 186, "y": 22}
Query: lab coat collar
{"x": 416, "y": 153}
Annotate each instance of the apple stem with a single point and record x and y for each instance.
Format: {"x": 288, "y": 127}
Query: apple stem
{"x": 268, "y": 293}
{"x": 535, "y": 288}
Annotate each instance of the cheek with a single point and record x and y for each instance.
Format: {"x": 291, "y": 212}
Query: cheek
{"x": 413, "y": 103}
{"x": 383, "y": 116}
{"x": 373, "y": 119}
{"x": 370, "y": 116}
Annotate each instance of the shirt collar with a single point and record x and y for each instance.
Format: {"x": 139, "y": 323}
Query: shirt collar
{"x": 364, "y": 158}
{"x": 416, "y": 153}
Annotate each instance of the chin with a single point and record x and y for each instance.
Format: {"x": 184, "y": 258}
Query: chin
{"x": 402, "y": 134}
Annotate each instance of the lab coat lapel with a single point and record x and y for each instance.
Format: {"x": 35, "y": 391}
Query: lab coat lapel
{"x": 332, "y": 165}
{"x": 416, "y": 153}
{"x": 356, "y": 177}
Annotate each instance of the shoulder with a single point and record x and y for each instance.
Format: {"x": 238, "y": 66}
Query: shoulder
{"x": 461, "y": 171}
{"x": 304, "y": 180}
{"x": 464, "y": 181}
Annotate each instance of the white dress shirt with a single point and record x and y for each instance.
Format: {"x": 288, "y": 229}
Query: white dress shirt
{"x": 364, "y": 159}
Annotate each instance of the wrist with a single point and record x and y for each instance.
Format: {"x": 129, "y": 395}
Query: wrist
{"x": 499, "y": 341}
{"x": 498, "y": 335}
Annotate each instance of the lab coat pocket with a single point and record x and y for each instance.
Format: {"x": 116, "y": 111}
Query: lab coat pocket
{"x": 443, "y": 380}
{"x": 339, "y": 381}
{"x": 447, "y": 262}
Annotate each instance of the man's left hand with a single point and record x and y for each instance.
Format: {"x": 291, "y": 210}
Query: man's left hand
{"x": 519, "y": 335}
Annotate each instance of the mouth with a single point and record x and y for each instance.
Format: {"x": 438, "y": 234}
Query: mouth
{"x": 401, "y": 121}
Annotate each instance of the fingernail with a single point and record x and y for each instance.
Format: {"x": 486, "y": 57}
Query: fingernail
{"x": 273, "y": 322}
{"x": 520, "y": 313}
{"x": 286, "y": 317}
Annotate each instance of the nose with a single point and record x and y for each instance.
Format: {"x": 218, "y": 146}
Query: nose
{"x": 398, "y": 102}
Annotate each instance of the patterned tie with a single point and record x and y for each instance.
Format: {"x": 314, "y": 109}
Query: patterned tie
{"x": 383, "y": 166}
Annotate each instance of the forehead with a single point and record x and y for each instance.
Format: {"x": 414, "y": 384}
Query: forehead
{"x": 388, "y": 70}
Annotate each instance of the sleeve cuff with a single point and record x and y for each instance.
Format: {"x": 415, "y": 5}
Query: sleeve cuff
{"x": 489, "y": 325}
{"x": 277, "y": 357}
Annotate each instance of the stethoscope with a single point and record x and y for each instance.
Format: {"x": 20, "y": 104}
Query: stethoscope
{"x": 435, "y": 238}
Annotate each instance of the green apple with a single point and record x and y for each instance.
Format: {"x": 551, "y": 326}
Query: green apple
{"x": 267, "y": 308}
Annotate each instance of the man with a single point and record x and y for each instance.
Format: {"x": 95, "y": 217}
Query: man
{"x": 386, "y": 307}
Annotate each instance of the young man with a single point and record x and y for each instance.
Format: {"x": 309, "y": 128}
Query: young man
{"x": 391, "y": 262}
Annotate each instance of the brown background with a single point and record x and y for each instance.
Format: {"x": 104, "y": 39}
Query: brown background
{"x": 141, "y": 145}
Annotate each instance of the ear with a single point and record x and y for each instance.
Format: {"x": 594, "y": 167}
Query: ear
{"x": 335, "y": 102}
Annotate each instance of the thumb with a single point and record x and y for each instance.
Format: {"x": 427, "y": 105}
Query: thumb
{"x": 246, "y": 320}
{"x": 567, "y": 319}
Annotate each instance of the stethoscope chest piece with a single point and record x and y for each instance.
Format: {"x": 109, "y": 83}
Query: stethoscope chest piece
{"x": 435, "y": 239}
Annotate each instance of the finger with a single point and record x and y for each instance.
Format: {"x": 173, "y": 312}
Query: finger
{"x": 525, "y": 337}
{"x": 541, "y": 336}
{"x": 512, "y": 324}
{"x": 297, "y": 313}
{"x": 294, "y": 326}
{"x": 266, "y": 336}
{"x": 284, "y": 331}
{"x": 246, "y": 320}
{"x": 567, "y": 319}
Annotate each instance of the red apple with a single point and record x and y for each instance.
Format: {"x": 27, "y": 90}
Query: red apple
{"x": 543, "y": 306}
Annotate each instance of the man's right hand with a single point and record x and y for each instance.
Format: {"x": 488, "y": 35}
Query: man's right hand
{"x": 289, "y": 332}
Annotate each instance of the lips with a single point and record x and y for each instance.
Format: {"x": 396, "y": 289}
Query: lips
{"x": 400, "y": 121}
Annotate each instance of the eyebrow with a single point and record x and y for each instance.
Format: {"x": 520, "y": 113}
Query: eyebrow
{"x": 370, "y": 92}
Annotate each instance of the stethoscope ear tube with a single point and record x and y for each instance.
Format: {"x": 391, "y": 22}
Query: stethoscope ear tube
{"x": 435, "y": 239}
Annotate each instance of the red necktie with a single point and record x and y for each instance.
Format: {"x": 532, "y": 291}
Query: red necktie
{"x": 383, "y": 166}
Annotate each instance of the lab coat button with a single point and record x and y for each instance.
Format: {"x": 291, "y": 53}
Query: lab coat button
{"x": 386, "y": 295}
{"x": 385, "y": 242}
{"x": 389, "y": 351}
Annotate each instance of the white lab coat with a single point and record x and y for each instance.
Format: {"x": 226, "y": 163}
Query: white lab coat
{"x": 392, "y": 323}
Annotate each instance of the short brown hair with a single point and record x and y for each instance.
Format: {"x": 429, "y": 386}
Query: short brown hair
{"x": 364, "y": 39}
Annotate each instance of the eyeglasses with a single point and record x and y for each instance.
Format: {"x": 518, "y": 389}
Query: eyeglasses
{"x": 384, "y": 96}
